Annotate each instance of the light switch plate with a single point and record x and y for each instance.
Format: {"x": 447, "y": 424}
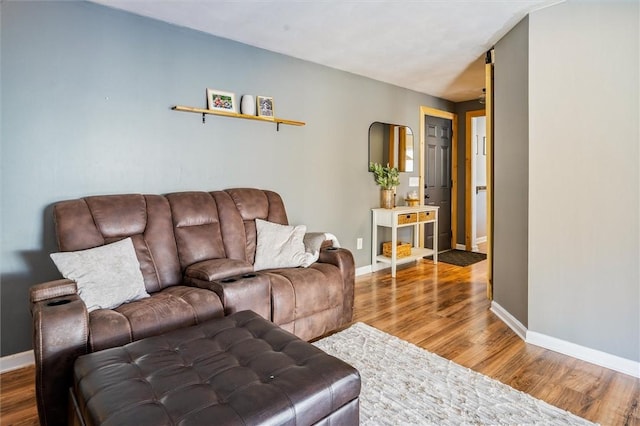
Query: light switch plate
{"x": 414, "y": 181}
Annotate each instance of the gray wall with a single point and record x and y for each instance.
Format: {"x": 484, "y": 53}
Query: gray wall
{"x": 584, "y": 157}
{"x": 511, "y": 180}
{"x": 86, "y": 96}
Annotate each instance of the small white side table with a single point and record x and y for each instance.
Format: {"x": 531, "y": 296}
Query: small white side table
{"x": 399, "y": 217}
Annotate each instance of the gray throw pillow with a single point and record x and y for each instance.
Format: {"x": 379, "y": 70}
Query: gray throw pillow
{"x": 106, "y": 276}
{"x": 280, "y": 246}
{"x": 313, "y": 242}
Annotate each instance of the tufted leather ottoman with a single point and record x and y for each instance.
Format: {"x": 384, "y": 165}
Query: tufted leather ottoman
{"x": 240, "y": 369}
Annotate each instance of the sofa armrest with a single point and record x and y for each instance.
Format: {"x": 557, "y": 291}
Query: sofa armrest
{"x": 343, "y": 259}
{"x": 52, "y": 289}
{"x": 250, "y": 291}
{"x": 60, "y": 335}
{"x": 217, "y": 269}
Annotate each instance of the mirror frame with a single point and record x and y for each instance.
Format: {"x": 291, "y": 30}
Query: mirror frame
{"x": 386, "y": 150}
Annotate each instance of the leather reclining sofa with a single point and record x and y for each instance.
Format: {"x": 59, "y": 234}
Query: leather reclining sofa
{"x": 196, "y": 252}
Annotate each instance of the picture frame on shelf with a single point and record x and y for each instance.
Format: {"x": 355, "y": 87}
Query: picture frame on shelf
{"x": 265, "y": 106}
{"x": 219, "y": 100}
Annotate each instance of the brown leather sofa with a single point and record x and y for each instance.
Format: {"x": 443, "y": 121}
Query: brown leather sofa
{"x": 196, "y": 252}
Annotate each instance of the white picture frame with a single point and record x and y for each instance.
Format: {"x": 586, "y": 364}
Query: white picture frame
{"x": 220, "y": 100}
{"x": 264, "y": 105}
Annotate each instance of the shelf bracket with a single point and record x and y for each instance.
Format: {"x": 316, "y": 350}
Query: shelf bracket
{"x": 277, "y": 126}
{"x": 203, "y": 117}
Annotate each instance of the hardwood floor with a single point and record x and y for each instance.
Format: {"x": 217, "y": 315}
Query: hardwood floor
{"x": 18, "y": 397}
{"x": 443, "y": 309}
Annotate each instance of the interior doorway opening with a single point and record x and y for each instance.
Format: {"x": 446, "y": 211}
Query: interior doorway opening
{"x": 476, "y": 181}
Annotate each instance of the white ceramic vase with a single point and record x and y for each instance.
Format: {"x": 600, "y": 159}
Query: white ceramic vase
{"x": 248, "y": 105}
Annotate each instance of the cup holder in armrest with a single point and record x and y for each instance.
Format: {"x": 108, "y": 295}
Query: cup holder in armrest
{"x": 228, "y": 280}
{"x": 58, "y": 302}
{"x": 249, "y": 275}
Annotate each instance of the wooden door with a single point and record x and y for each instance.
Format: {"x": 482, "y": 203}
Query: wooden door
{"x": 437, "y": 181}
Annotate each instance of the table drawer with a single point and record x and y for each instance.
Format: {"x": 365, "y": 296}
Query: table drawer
{"x": 405, "y": 218}
{"x": 424, "y": 216}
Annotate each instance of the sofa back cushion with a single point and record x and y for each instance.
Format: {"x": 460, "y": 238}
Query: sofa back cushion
{"x": 196, "y": 227}
{"x": 95, "y": 221}
{"x": 252, "y": 204}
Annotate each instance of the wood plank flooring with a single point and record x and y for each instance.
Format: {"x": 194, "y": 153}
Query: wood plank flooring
{"x": 18, "y": 397}
{"x": 443, "y": 309}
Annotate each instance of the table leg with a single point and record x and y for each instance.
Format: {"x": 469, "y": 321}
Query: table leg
{"x": 374, "y": 244}
{"x": 394, "y": 250}
{"x": 435, "y": 240}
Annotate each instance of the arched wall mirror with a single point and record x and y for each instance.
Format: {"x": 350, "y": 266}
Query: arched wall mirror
{"x": 391, "y": 143}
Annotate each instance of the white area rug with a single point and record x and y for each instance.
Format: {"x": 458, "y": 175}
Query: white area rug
{"x": 403, "y": 384}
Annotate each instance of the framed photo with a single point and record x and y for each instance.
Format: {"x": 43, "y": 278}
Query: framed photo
{"x": 265, "y": 106}
{"x": 221, "y": 101}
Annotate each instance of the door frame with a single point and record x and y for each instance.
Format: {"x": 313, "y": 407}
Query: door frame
{"x": 468, "y": 216}
{"x": 488, "y": 81}
{"x": 426, "y": 111}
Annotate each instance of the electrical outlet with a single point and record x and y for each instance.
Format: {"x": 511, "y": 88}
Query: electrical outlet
{"x": 359, "y": 244}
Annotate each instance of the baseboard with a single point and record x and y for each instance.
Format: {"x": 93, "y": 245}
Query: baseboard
{"x": 461, "y": 247}
{"x": 363, "y": 270}
{"x": 15, "y": 361}
{"x": 481, "y": 240}
{"x": 603, "y": 359}
{"x": 509, "y": 319}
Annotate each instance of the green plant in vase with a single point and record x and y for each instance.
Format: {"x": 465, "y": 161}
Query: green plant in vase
{"x": 387, "y": 178}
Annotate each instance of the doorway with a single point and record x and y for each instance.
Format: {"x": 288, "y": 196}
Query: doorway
{"x": 476, "y": 181}
{"x": 441, "y": 179}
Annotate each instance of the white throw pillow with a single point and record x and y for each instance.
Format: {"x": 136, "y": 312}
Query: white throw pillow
{"x": 280, "y": 246}
{"x": 312, "y": 244}
{"x": 107, "y": 276}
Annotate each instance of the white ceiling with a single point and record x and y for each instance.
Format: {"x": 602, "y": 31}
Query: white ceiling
{"x": 435, "y": 47}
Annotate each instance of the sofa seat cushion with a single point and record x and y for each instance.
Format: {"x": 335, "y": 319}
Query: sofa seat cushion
{"x": 172, "y": 308}
{"x": 302, "y": 292}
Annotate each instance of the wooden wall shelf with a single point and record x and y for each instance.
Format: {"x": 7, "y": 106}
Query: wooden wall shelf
{"x": 206, "y": 112}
